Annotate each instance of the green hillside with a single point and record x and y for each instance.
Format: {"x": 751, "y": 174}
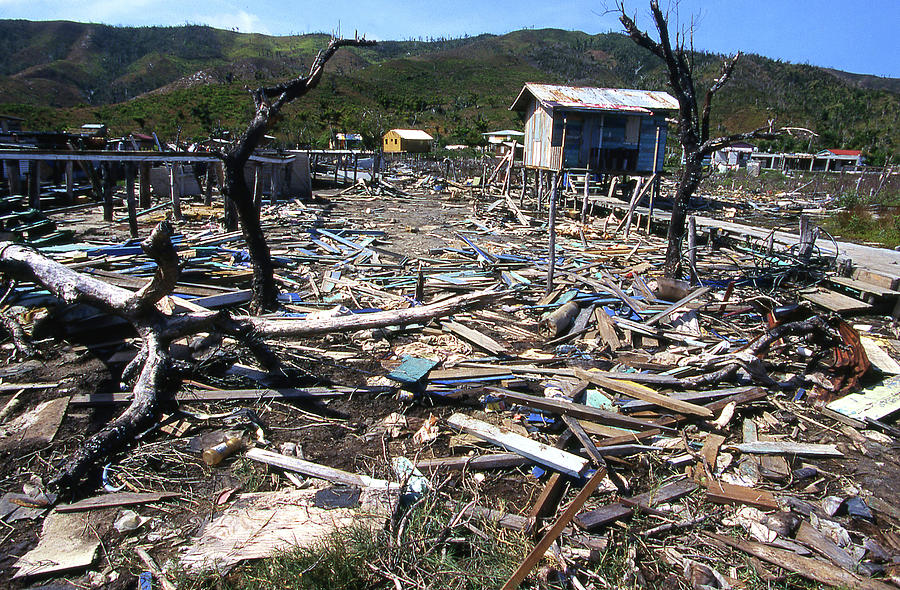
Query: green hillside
{"x": 194, "y": 78}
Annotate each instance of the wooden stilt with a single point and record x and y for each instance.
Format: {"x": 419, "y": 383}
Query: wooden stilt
{"x": 144, "y": 200}
{"x": 551, "y": 267}
{"x": 130, "y": 200}
{"x": 175, "y": 195}
{"x": 106, "y": 182}
{"x": 70, "y": 182}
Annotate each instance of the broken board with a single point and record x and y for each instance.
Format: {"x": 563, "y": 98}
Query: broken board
{"x": 67, "y": 542}
{"x": 836, "y": 302}
{"x": 876, "y": 402}
{"x": 260, "y": 524}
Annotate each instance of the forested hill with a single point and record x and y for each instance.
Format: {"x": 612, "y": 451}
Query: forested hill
{"x": 194, "y": 78}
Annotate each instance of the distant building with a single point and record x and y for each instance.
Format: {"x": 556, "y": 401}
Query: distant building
{"x": 407, "y": 140}
{"x": 346, "y": 141}
{"x": 835, "y": 159}
{"x": 830, "y": 160}
{"x": 735, "y": 156}
{"x": 605, "y": 130}
{"x": 9, "y": 123}
{"x": 500, "y": 142}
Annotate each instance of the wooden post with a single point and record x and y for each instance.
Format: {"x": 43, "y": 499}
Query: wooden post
{"x": 540, "y": 183}
{"x": 551, "y": 267}
{"x": 586, "y": 196}
{"x": 655, "y": 186}
{"x": 315, "y": 163}
{"x": 106, "y": 175}
{"x": 130, "y": 200}
{"x": 207, "y": 197}
{"x": 70, "y": 182}
{"x": 376, "y": 165}
{"x": 355, "y": 167}
{"x": 34, "y": 184}
{"x": 692, "y": 248}
{"x": 524, "y": 185}
{"x": 175, "y": 194}
{"x": 144, "y": 186}
{"x": 337, "y": 167}
{"x": 273, "y": 184}
{"x": 807, "y": 240}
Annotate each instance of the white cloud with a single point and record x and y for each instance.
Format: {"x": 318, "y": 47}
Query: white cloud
{"x": 242, "y": 21}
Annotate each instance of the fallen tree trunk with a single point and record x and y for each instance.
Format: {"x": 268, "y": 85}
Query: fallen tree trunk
{"x": 150, "y": 367}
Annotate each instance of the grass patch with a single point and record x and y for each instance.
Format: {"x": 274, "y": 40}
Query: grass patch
{"x": 423, "y": 552}
{"x": 860, "y": 224}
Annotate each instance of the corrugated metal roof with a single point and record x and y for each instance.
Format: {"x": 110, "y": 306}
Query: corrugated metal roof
{"x": 504, "y": 132}
{"x": 599, "y": 99}
{"x": 411, "y": 134}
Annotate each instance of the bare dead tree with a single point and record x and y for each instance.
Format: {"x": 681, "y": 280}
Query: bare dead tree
{"x": 268, "y": 102}
{"x": 693, "y": 120}
{"x": 150, "y": 370}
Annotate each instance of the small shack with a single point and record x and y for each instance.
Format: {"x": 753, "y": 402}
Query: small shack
{"x": 346, "y": 141}
{"x": 500, "y": 142}
{"x": 604, "y": 130}
{"x": 734, "y": 156}
{"x": 413, "y": 141}
{"x": 835, "y": 159}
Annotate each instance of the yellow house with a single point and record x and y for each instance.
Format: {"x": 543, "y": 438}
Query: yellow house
{"x": 407, "y": 140}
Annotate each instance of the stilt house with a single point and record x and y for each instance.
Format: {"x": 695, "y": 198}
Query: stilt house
{"x": 603, "y": 130}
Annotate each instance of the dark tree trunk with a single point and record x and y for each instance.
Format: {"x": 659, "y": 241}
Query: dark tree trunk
{"x": 238, "y": 196}
{"x": 687, "y": 184}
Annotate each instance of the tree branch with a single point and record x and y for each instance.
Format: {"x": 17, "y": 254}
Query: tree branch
{"x": 711, "y": 145}
{"x": 727, "y": 69}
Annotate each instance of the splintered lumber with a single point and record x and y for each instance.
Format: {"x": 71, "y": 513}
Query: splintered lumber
{"x": 810, "y": 536}
{"x": 813, "y": 569}
{"x": 721, "y": 492}
{"x": 677, "y": 305}
{"x": 787, "y": 448}
{"x": 116, "y": 499}
{"x": 580, "y": 411}
{"x": 473, "y": 336}
{"x": 689, "y": 396}
{"x": 496, "y": 461}
{"x": 575, "y": 427}
{"x": 710, "y": 449}
{"x": 556, "y": 459}
{"x": 604, "y": 515}
{"x": 315, "y": 470}
{"x": 644, "y": 393}
{"x": 555, "y": 531}
{"x": 226, "y": 395}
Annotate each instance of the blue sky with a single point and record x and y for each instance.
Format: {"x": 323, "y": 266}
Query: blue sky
{"x": 860, "y": 37}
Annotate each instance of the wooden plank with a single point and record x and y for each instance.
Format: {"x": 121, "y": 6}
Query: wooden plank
{"x": 315, "y": 470}
{"x": 585, "y": 440}
{"x": 836, "y": 302}
{"x": 604, "y": 515}
{"x": 580, "y": 411}
{"x": 644, "y": 393}
{"x": 556, "y": 459}
{"x": 696, "y": 294}
{"x": 474, "y": 337}
{"x": 607, "y": 329}
{"x": 496, "y": 461}
{"x": 810, "y": 568}
{"x": 878, "y": 357}
{"x": 863, "y": 287}
{"x": 412, "y": 370}
{"x": 710, "y": 449}
{"x": 688, "y": 396}
{"x": 225, "y": 395}
{"x": 725, "y": 493}
{"x": 787, "y": 448}
{"x": 773, "y": 467}
{"x": 116, "y": 499}
{"x": 555, "y": 531}
{"x": 810, "y": 536}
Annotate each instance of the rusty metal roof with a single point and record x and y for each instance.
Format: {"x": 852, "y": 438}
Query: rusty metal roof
{"x": 594, "y": 99}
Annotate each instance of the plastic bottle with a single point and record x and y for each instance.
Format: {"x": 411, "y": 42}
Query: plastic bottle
{"x": 215, "y": 454}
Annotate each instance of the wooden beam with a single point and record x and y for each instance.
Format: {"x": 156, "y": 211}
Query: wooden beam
{"x": 555, "y": 531}
{"x": 556, "y": 459}
{"x": 644, "y": 393}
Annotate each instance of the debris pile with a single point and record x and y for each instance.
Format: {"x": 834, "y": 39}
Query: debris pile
{"x": 713, "y": 427}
